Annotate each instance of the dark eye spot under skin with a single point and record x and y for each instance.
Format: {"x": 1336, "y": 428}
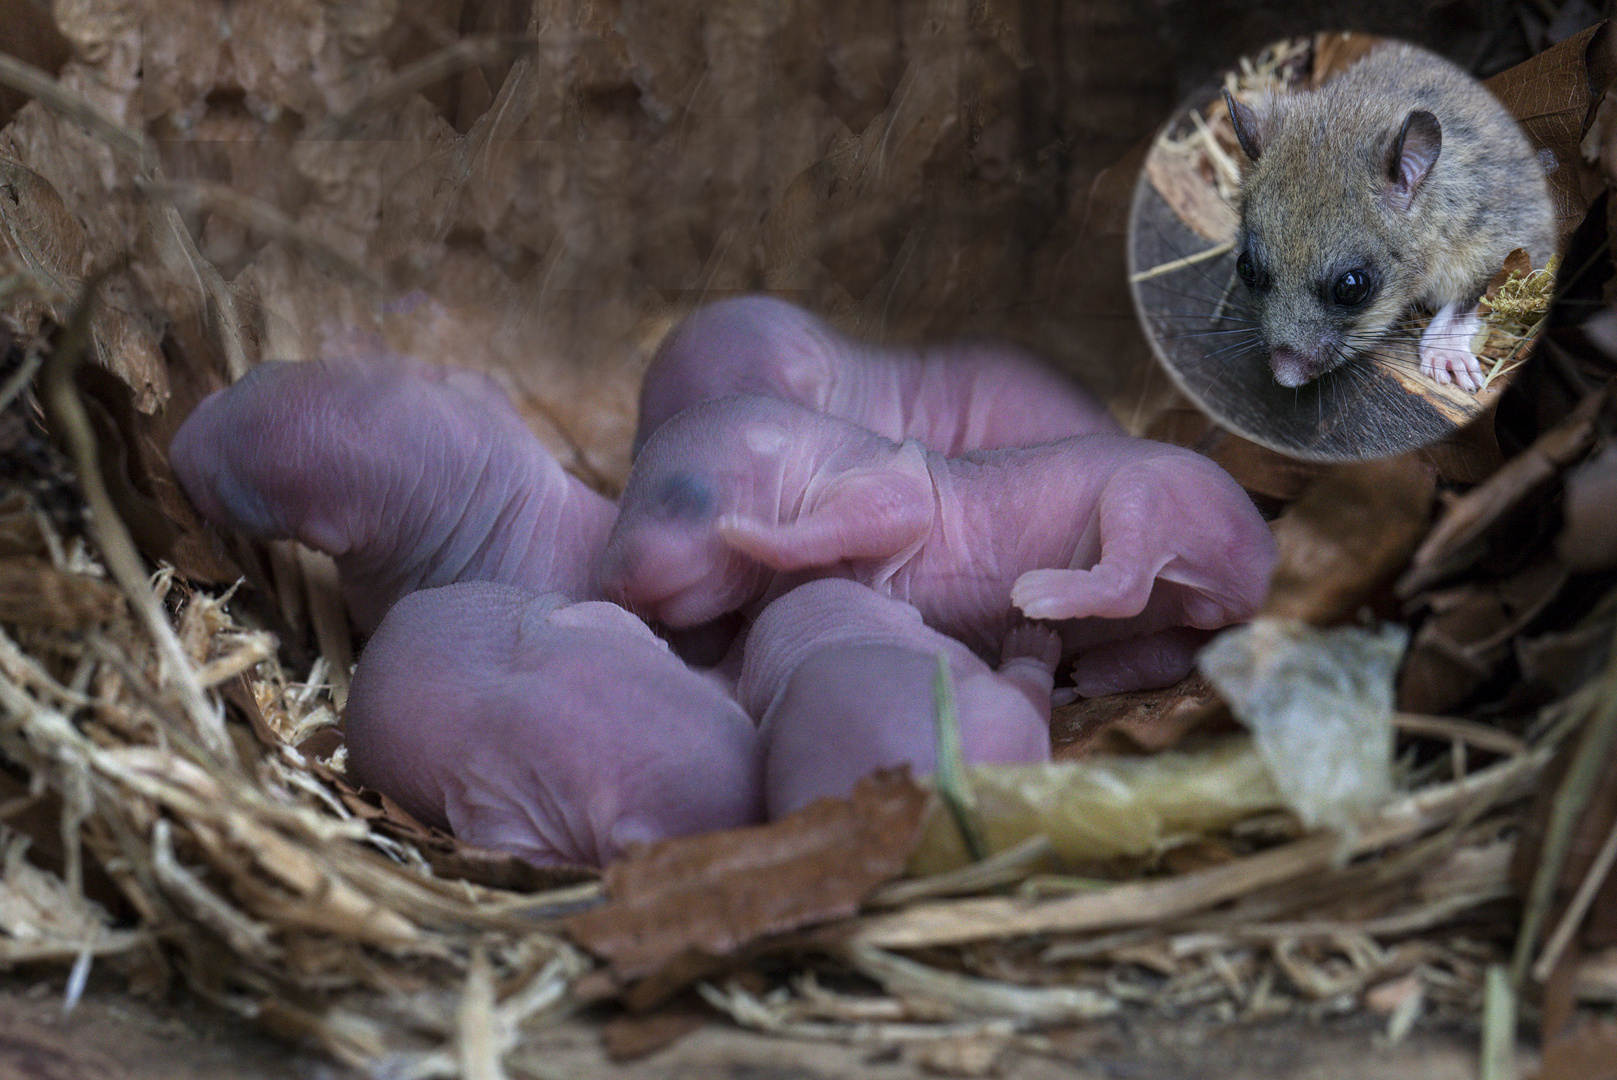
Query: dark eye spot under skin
{"x": 682, "y": 497}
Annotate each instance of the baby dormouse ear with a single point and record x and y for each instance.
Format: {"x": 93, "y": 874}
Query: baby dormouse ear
{"x": 876, "y": 512}
{"x": 1249, "y": 128}
{"x": 1411, "y": 157}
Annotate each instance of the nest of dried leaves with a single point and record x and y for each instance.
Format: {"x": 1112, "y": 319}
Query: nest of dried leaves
{"x": 192, "y": 188}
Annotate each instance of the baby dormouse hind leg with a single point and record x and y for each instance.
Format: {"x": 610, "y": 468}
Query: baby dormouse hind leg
{"x": 1445, "y": 347}
{"x": 1133, "y": 547}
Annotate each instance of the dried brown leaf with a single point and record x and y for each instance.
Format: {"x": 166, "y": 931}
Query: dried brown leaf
{"x": 1134, "y": 722}
{"x": 1518, "y": 263}
{"x": 1469, "y": 634}
{"x": 1563, "y": 659}
{"x": 1352, "y": 530}
{"x": 42, "y": 235}
{"x": 712, "y": 895}
{"x": 1554, "y": 96}
{"x": 20, "y": 531}
{"x": 634, "y": 1036}
{"x": 1588, "y": 539}
{"x": 1588, "y": 1053}
{"x": 36, "y": 1051}
{"x": 1461, "y": 535}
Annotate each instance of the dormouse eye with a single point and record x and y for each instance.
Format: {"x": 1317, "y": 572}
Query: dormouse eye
{"x": 1351, "y": 288}
{"x": 1244, "y": 267}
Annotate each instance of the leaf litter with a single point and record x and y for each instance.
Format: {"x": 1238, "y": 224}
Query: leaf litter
{"x": 174, "y": 806}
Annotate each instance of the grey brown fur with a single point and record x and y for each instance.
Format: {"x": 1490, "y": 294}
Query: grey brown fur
{"x": 1318, "y": 200}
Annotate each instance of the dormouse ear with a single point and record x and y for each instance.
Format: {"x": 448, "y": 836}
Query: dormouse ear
{"x": 1248, "y": 128}
{"x": 1411, "y": 158}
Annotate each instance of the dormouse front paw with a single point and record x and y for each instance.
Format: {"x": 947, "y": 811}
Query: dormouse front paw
{"x": 1445, "y": 348}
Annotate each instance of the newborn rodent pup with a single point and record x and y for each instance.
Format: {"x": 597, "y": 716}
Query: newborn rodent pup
{"x": 1401, "y": 182}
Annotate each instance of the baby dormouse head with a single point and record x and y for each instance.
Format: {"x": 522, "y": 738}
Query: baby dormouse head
{"x": 666, "y": 559}
{"x": 731, "y": 491}
{"x": 669, "y": 557}
{"x": 1325, "y": 245}
{"x": 742, "y": 345}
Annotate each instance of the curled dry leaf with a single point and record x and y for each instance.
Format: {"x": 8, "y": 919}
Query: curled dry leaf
{"x": 1469, "y": 633}
{"x": 712, "y": 895}
{"x": 1587, "y": 1053}
{"x": 1588, "y": 539}
{"x": 1476, "y": 523}
{"x": 1555, "y": 95}
{"x": 1349, "y": 534}
{"x": 1132, "y": 722}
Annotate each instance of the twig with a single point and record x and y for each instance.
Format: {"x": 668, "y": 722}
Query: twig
{"x": 1575, "y": 911}
{"x": 749, "y": 1011}
{"x": 476, "y": 1042}
{"x": 1179, "y": 264}
{"x": 1481, "y": 736}
{"x": 1007, "y": 866}
{"x": 906, "y": 978}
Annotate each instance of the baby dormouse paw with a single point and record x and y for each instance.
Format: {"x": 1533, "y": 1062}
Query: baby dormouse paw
{"x": 1033, "y": 642}
{"x": 1103, "y": 591}
{"x": 1445, "y": 348}
{"x": 1029, "y": 656}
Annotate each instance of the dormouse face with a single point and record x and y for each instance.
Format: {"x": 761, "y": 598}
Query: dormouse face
{"x": 1319, "y": 294}
{"x": 1325, "y": 246}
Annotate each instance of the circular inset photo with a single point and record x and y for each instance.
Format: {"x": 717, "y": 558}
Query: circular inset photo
{"x": 1344, "y": 250}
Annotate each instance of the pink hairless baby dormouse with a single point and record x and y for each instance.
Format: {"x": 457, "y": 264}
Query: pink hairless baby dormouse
{"x": 841, "y": 680}
{"x": 408, "y": 474}
{"x": 557, "y": 731}
{"x": 1137, "y": 547}
{"x": 950, "y": 396}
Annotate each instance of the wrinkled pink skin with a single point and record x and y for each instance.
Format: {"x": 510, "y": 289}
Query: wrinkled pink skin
{"x": 841, "y": 679}
{"x": 951, "y": 398}
{"x": 559, "y": 732}
{"x": 408, "y": 474}
{"x": 1139, "y": 548}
